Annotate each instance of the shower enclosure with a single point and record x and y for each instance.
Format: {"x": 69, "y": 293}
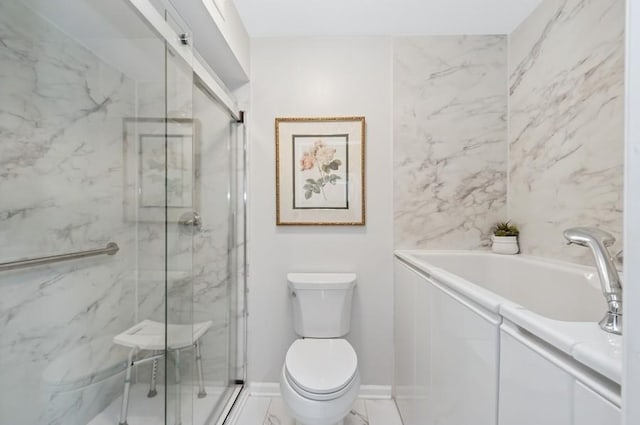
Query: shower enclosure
{"x": 115, "y": 151}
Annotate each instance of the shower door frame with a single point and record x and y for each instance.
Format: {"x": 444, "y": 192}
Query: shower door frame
{"x": 157, "y": 21}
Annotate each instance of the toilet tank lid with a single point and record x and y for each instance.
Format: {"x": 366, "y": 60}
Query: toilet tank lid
{"x": 321, "y": 280}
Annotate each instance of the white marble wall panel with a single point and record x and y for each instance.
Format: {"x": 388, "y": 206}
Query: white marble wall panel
{"x": 61, "y": 185}
{"x": 450, "y": 140}
{"x": 566, "y": 70}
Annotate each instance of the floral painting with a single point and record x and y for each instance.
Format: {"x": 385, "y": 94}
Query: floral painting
{"x": 320, "y": 171}
{"x": 321, "y": 178}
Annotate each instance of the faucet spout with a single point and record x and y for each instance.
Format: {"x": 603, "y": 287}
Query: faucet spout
{"x": 597, "y": 241}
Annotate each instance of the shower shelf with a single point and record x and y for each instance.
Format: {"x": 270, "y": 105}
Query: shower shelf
{"x": 110, "y": 249}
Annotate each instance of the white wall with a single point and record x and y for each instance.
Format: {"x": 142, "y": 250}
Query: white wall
{"x": 315, "y": 78}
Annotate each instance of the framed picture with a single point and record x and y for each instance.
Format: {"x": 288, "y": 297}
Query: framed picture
{"x": 320, "y": 171}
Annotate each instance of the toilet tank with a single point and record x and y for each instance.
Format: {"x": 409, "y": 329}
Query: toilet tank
{"x": 321, "y": 303}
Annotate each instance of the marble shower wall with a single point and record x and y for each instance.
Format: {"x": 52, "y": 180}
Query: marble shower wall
{"x": 450, "y": 140}
{"x": 70, "y": 181}
{"x": 61, "y": 190}
{"x": 566, "y": 72}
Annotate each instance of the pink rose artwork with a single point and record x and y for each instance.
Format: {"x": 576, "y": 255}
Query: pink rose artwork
{"x": 321, "y": 158}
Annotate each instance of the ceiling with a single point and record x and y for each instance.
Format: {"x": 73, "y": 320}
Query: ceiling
{"x": 271, "y": 18}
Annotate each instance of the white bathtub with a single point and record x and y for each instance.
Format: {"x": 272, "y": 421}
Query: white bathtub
{"x": 555, "y": 290}
{"x": 561, "y": 303}
{"x": 495, "y": 333}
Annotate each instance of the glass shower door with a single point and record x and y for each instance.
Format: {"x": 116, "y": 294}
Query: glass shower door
{"x": 214, "y": 251}
{"x": 200, "y": 268}
{"x": 107, "y": 138}
{"x": 182, "y": 222}
{"x": 201, "y": 261}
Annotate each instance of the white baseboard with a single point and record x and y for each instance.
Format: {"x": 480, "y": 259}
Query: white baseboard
{"x": 272, "y": 389}
{"x": 264, "y": 389}
{"x": 376, "y": 392}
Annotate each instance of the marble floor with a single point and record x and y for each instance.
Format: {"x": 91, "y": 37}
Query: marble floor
{"x": 150, "y": 411}
{"x": 272, "y": 411}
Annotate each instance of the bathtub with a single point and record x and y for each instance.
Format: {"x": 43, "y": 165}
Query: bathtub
{"x": 555, "y": 290}
{"x": 472, "y": 310}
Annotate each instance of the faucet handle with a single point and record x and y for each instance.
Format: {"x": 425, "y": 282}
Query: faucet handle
{"x": 598, "y": 240}
{"x": 580, "y": 234}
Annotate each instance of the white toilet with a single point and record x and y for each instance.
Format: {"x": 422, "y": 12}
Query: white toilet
{"x": 320, "y": 379}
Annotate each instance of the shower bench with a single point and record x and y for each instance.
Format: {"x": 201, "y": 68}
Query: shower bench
{"x": 155, "y": 337}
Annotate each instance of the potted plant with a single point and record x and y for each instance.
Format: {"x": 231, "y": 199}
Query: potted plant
{"x": 505, "y": 238}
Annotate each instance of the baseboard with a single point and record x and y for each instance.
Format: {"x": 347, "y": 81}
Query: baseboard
{"x": 264, "y": 389}
{"x": 272, "y": 389}
{"x": 376, "y": 392}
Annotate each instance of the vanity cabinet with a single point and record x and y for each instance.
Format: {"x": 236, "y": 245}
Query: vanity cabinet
{"x": 446, "y": 354}
{"x": 539, "y": 385}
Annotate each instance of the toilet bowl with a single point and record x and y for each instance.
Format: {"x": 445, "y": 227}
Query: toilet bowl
{"x": 320, "y": 379}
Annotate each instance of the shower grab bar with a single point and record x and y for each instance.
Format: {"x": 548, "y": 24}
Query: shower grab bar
{"x": 110, "y": 249}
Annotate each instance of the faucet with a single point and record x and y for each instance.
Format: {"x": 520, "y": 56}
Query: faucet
{"x": 598, "y": 241}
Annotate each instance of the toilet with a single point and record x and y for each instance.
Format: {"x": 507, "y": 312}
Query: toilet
{"x": 320, "y": 379}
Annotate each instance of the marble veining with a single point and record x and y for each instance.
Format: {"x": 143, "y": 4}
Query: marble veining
{"x": 450, "y": 140}
{"x": 69, "y": 182}
{"x": 61, "y": 189}
{"x": 566, "y": 76}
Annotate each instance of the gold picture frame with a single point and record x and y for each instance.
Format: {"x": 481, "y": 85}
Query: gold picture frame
{"x": 320, "y": 171}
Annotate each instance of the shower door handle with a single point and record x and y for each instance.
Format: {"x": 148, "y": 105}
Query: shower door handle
{"x": 191, "y": 221}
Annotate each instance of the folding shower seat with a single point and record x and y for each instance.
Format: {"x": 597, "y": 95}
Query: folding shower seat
{"x": 149, "y": 336}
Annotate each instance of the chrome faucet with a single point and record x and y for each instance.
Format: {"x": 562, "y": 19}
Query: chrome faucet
{"x": 598, "y": 241}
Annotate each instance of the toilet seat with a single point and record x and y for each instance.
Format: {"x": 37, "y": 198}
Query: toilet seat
{"x": 321, "y": 369}
{"x": 315, "y": 396}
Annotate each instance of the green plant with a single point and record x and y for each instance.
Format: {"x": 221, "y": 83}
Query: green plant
{"x": 503, "y": 228}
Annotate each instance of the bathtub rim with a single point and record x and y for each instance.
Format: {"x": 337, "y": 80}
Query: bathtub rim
{"x": 584, "y": 341}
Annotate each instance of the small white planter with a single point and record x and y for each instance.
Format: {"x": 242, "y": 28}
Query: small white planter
{"x": 505, "y": 244}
